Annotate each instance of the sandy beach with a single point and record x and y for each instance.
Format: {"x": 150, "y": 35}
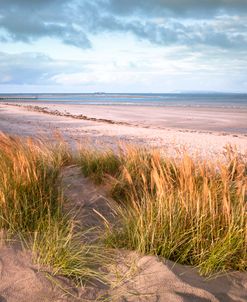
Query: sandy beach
{"x": 201, "y": 131}
{"x": 197, "y": 118}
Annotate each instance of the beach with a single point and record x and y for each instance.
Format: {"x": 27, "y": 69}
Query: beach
{"x": 201, "y": 131}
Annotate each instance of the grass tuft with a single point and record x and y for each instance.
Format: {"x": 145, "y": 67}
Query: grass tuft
{"x": 97, "y": 165}
{"x": 190, "y": 211}
{"x": 64, "y": 252}
{"x": 31, "y": 208}
{"x": 28, "y": 183}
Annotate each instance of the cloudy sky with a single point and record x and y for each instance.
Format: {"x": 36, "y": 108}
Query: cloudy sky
{"x": 123, "y": 45}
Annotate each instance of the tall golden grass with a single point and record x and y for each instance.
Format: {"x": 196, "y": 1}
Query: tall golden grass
{"x": 28, "y": 181}
{"x": 187, "y": 210}
{"x": 31, "y": 208}
{"x": 97, "y": 164}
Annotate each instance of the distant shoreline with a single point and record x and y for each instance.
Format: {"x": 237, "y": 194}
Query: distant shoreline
{"x": 190, "y": 100}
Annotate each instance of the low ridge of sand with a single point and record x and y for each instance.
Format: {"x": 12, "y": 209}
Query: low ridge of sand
{"x": 160, "y": 280}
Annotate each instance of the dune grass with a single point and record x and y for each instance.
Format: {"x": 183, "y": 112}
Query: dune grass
{"x": 97, "y": 164}
{"x": 31, "y": 207}
{"x": 189, "y": 211}
{"x": 61, "y": 250}
{"x": 186, "y": 210}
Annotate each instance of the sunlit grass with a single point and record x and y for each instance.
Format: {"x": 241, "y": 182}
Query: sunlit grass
{"x": 98, "y": 164}
{"x": 62, "y": 250}
{"x": 191, "y": 211}
{"x": 31, "y": 208}
{"x": 187, "y": 210}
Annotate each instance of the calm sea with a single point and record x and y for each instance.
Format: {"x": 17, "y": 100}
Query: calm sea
{"x": 156, "y": 100}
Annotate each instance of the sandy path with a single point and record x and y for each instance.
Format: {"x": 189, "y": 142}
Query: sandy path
{"x": 20, "y": 121}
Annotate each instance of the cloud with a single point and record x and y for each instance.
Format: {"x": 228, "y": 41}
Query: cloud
{"x": 73, "y": 21}
{"x": 159, "y": 71}
{"x": 26, "y": 21}
{"x": 177, "y": 7}
{"x": 228, "y": 32}
{"x": 33, "y": 68}
{"x": 27, "y": 4}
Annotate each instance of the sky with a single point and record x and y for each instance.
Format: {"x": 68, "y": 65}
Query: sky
{"x": 150, "y": 46}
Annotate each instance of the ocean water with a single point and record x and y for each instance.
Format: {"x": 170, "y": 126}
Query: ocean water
{"x": 223, "y": 100}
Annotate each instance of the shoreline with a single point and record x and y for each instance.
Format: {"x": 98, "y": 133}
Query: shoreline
{"x": 105, "y": 128}
{"x": 69, "y": 112}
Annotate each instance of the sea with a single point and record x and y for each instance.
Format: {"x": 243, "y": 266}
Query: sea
{"x": 209, "y": 100}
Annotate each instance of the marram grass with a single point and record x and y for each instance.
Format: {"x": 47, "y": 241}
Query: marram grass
{"x": 190, "y": 211}
{"x": 31, "y": 208}
{"x": 62, "y": 250}
{"x": 97, "y": 164}
{"x": 28, "y": 178}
